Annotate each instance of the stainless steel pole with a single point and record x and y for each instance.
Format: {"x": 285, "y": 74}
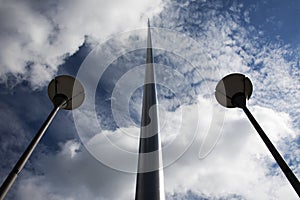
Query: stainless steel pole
{"x": 25, "y": 156}
{"x": 149, "y": 182}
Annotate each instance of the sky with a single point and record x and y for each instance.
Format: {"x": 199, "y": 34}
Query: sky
{"x": 209, "y": 152}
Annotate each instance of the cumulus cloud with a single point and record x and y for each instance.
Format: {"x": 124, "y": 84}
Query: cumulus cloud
{"x": 72, "y": 173}
{"x": 38, "y": 36}
{"x": 224, "y": 41}
{"x": 239, "y": 165}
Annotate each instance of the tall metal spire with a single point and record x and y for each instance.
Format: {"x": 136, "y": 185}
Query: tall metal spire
{"x": 149, "y": 183}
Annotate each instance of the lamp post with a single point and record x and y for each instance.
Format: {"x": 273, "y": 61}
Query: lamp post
{"x": 233, "y": 91}
{"x": 65, "y": 92}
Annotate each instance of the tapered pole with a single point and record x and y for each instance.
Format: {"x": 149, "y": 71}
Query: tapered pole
{"x": 149, "y": 182}
{"x": 9, "y": 181}
{"x": 240, "y": 101}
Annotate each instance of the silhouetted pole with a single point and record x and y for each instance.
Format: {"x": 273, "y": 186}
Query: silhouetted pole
{"x": 239, "y": 102}
{"x": 149, "y": 182}
{"x": 23, "y": 159}
{"x": 60, "y": 101}
{"x": 232, "y": 91}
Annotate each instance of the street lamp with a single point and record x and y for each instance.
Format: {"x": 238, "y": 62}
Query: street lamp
{"x": 65, "y": 92}
{"x": 233, "y": 91}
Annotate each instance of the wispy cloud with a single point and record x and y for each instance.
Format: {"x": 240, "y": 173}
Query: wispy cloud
{"x": 218, "y": 39}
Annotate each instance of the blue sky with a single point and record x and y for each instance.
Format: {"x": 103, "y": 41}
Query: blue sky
{"x": 209, "y": 152}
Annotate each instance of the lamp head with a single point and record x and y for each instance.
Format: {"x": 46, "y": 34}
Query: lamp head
{"x": 66, "y": 92}
{"x": 233, "y": 90}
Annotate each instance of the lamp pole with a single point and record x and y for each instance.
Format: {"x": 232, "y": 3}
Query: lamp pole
{"x": 233, "y": 91}
{"x": 25, "y": 156}
{"x": 64, "y": 99}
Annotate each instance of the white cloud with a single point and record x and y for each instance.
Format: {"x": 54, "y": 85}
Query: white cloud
{"x": 239, "y": 164}
{"x": 70, "y": 174}
{"x": 38, "y": 36}
{"x": 227, "y": 42}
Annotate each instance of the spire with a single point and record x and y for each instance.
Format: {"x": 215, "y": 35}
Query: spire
{"x": 149, "y": 72}
{"x": 149, "y": 42}
{"x": 149, "y": 183}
